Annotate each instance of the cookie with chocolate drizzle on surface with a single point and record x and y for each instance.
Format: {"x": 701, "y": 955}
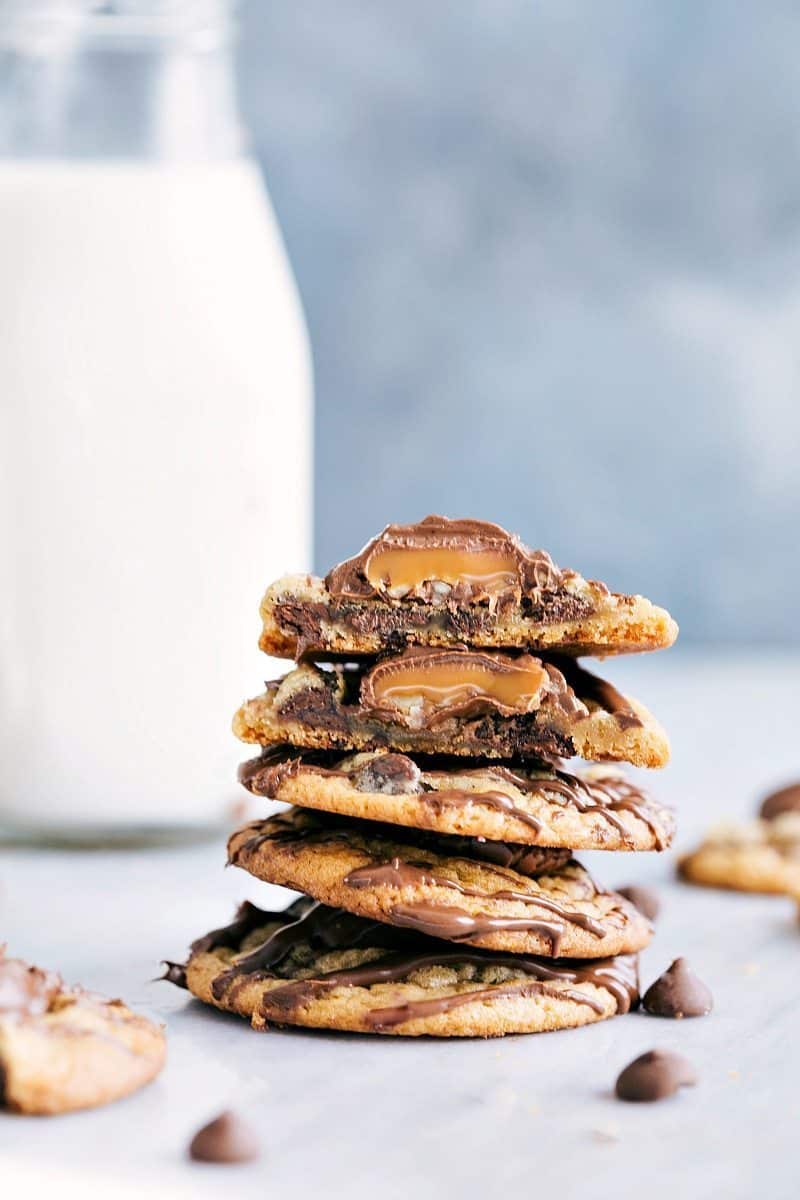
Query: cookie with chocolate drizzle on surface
{"x": 428, "y": 883}
{"x": 327, "y": 969}
{"x": 537, "y": 804}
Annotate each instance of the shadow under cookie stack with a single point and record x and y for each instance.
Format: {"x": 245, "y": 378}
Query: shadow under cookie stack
{"x": 420, "y": 744}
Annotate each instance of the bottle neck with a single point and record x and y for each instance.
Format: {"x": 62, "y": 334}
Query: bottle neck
{"x": 152, "y": 80}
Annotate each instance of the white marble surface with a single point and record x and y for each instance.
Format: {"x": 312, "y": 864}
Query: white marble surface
{"x": 345, "y": 1116}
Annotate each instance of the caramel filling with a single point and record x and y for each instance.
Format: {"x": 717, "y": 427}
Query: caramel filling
{"x": 414, "y": 686}
{"x": 405, "y": 568}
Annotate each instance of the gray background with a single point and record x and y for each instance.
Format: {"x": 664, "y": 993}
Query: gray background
{"x": 549, "y": 257}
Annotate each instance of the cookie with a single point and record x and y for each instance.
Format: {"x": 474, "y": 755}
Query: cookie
{"x": 461, "y": 702}
{"x": 64, "y": 1048}
{"x": 327, "y": 969}
{"x": 760, "y": 856}
{"x": 378, "y": 872}
{"x": 536, "y": 805}
{"x": 442, "y": 583}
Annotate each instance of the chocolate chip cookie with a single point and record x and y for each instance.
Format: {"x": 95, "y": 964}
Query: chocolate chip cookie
{"x": 459, "y": 702}
{"x": 442, "y": 582}
{"x": 429, "y": 886}
{"x": 759, "y": 856}
{"x": 595, "y": 808}
{"x": 324, "y": 968}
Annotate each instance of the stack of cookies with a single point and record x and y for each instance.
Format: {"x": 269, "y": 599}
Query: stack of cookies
{"x": 420, "y": 744}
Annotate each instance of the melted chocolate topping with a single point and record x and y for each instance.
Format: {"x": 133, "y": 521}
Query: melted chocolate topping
{"x": 591, "y": 687}
{"x": 322, "y": 828}
{"x": 445, "y": 921}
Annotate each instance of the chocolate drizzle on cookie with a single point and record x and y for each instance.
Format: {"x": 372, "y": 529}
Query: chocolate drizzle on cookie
{"x": 439, "y": 920}
{"x": 321, "y": 828}
{"x": 598, "y": 691}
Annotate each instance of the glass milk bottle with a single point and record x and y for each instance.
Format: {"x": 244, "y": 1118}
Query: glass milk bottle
{"x": 155, "y": 427}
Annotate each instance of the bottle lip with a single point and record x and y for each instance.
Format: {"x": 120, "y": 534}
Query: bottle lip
{"x": 198, "y": 24}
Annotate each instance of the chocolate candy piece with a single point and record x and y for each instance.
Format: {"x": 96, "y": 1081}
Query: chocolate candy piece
{"x": 644, "y": 898}
{"x": 436, "y": 556}
{"x": 389, "y": 775}
{"x": 417, "y": 686}
{"x": 678, "y": 993}
{"x": 226, "y": 1139}
{"x": 654, "y": 1076}
{"x": 780, "y": 802}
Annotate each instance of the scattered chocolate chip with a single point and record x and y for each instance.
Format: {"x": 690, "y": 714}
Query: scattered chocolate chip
{"x": 226, "y": 1139}
{"x": 644, "y": 898}
{"x": 389, "y": 774}
{"x": 780, "y": 802}
{"x": 678, "y": 993}
{"x": 654, "y": 1076}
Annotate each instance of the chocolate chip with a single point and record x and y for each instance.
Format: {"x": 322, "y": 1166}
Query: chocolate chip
{"x": 644, "y": 898}
{"x": 678, "y": 993}
{"x": 226, "y": 1139}
{"x": 389, "y": 774}
{"x": 654, "y": 1076}
{"x": 784, "y": 801}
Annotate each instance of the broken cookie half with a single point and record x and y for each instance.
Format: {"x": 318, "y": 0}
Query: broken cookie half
{"x": 63, "y": 1048}
{"x": 459, "y": 702}
{"x": 443, "y": 582}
